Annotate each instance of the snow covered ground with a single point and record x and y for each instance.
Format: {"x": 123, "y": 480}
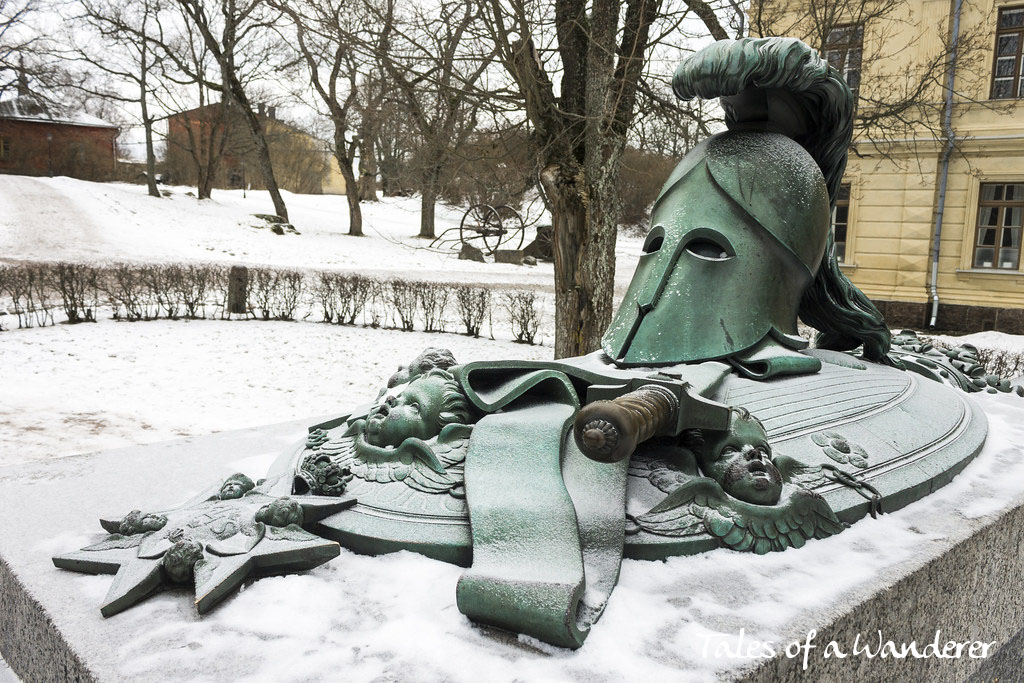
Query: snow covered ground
{"x": 81, "y": 388}
{"x": 46, "y": 219}
{"x": 988, "y": 340}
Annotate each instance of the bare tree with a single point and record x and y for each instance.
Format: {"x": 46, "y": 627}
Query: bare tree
{"x": 245, "y": 29}
{"x": 124, "y": 55}
{"x": 394, "y": 144}
{"x": 600, "y": 51}
{"x": 328, "y": 34}
{"x": 901, "y": 98}
{"x": 199, "y": 130}
{"x": 435, "y": 72}
{"x": 371, "y": 98}
{"x": 16, "y": 42}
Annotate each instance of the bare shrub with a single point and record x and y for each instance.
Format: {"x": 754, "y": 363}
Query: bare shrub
{"x": 352, "y": 293}
{"x": 287, "y": 293}
{"x": 41, "y": 282}
{"x": 325, "y": 292}
{"x": 126, "y": 290}
{"x": 474, "y": 306}
{"x": 221, "y": 286}
{"x": 523, "y": 314}
{"x": 31, "y": 291}
{"x": 260, "y": 291}
{"x": 19, "y": 288}
{"x": 375, "y": 311}
{"x": 1002, "y": 362}
{"x": 196, "y": 284}
{"x": 433, "y": 300}
{"x": 404, "y": 301}
{"x": 78, "y": 287}
{"x": 164, "y": 284}
{"x": 5, "y": 274}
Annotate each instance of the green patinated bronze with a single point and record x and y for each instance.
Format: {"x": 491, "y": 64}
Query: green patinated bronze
{"x": 214, "y": 542}
{"x": 539, "y": 477}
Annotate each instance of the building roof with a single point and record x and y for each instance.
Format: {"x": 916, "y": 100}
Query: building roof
{"x": 28, "y": 108}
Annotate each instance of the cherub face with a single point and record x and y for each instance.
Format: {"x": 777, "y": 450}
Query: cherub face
{"x": 235, "y": 486}
{"x": 136, "y": 522}
{"x": 741, "y": 463}
{"x": 231, "y": 490}
{"x": 415, "y": 412}
{"x": 280, "y": 512}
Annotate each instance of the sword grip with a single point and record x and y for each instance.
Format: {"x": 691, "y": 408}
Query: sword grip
{"x": 609, "y": 431}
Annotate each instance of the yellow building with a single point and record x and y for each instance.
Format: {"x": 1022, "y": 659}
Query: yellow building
{"x": 904, "y": 184}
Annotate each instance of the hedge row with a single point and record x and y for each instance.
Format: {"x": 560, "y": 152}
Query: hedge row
{"x": 33, "y": 292}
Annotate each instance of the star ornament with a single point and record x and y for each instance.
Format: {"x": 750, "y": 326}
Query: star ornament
{"x": 212, "y": 541}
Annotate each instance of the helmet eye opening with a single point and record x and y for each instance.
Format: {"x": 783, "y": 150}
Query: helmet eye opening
{"x": 710, "y": 245}
{"x": 655, "y": 240}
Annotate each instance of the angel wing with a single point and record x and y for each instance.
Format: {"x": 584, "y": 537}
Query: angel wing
{"x": 341, "y": 449}
{"x": 659, "y": 472}
{"x": 116, "y": 542}
{"x": 795, "y": 472}
{"x": 701, "y": 506}
{"x": 430, "y": 467}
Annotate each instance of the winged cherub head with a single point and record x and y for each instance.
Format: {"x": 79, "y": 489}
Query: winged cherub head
{"x": 739, "y": 459}
{"x": 235, "y": 486}
{"x": 424, "y": 407}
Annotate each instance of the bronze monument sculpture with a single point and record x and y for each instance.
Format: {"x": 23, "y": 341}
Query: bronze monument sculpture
{"x": 704, "y": 422}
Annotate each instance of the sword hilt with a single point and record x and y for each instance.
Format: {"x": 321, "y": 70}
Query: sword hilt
{"x": 609, "y": 431}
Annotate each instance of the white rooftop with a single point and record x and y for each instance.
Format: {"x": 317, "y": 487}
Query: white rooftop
{"x": 30, "y": 108}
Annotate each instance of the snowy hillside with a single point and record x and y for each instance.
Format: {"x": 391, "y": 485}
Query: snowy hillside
{"x": 62, "y": 218}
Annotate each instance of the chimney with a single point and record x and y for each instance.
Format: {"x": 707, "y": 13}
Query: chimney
{"x": 263, "y": 109}
{"x": 22, "y": 78}
{"x": 270, "y": 112}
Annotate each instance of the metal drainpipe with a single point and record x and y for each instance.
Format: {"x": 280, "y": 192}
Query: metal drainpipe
{"x": 947, "y": 151}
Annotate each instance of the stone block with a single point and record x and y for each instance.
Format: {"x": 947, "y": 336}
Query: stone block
{"x": 512, "y": 256}
{"x": 238, "y": 285}
{"x": 541, "y": 248}
{"x": 904, "y": 314}
{"x": 471, "y": 253}
{"x": 1011, "y": 320}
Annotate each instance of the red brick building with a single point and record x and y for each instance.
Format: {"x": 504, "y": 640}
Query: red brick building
{"x": 37, "y": 139}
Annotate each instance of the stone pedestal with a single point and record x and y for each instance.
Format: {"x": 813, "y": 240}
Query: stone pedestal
{"x": 951, "y": 562}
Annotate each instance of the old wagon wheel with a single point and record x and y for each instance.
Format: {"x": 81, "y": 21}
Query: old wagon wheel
{"x": 512, "y": 224}
{"x": 481, "y": 225}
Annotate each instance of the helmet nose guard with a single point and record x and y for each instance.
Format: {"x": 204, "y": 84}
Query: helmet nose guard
{"x": 739, "y": 231}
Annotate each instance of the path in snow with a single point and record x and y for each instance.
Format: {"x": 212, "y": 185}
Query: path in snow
{"x": 38, "y": 217}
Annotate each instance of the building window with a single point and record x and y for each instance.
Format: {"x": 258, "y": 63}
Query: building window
{"x": 5, "y": 148}
{"x": 1000, "y": 210}
{"x": 1008, "y": 72}
{"x": 841, "y": 220}
{"x": 844, "y": 49}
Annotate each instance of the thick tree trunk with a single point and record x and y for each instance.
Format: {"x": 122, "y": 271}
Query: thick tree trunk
{"x": 429, "y": 200}
{"x": 147, "y": 123}
{"x": 431, "y": 189}
{"x": 584, "y": 253}
{"x": 355, "y": 213}
{"x": 367, "y": 167}
{"x": 266, "y": 167}
{"x": 343, "y": 153}
{"x": 204, "y": 186}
